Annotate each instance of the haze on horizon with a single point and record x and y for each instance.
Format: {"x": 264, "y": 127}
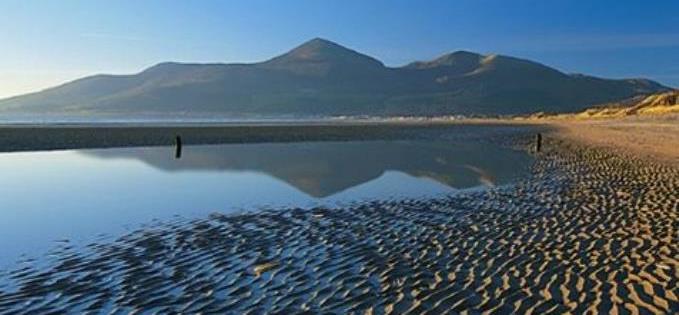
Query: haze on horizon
{"x": 49, "y": 43}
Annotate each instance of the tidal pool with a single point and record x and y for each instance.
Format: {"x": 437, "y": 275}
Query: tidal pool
{"x": 80, "y": 196}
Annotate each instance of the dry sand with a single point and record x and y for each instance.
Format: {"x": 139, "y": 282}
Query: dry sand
{"x": 654, "y": 137}
{"x": 588, "y": 230}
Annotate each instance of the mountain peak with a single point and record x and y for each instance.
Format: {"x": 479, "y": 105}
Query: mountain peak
{"x": 460, "y": 59}
{"x": 319, "y": 51}
{"x": 319, "y": 41}
{"x": 462, "y": 54}
{"x": 319, "y": 48}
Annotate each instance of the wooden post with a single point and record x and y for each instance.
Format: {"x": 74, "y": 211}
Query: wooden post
{"x": 538, "y": 142}
{"x": 178, "y": 147}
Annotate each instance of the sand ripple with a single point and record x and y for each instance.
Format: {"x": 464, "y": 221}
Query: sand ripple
{"x": 589, "y": 231}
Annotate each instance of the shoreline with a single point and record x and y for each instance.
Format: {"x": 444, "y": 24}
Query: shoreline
{"x": 653, "y": 137}
{"x": 28, "y": 138}
{"x": 588, "y": 230}
{"x": 254, "y": 123}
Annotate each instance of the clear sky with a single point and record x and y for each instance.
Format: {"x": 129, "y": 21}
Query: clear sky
{"x": 44, "y": 43}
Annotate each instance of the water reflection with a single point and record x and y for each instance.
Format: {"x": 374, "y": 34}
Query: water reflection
{"x": 77, "y": 195}
{"x": 322, "y": 169}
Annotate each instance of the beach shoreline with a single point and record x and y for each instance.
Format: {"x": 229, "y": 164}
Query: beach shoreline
{"x": 591, "y": 229}
{"x": 62, "y": 137}
{"x": 654, "y": 137}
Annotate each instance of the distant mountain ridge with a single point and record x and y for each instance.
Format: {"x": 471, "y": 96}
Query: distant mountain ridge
{"x": 320, "y": 77}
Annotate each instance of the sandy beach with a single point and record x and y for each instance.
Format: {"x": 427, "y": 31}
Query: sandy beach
{"x": 339, "y": 157}
{"x": 652, "y": 137}
{"x": 589, "y": 229}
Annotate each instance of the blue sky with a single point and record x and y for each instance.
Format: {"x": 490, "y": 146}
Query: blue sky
{"x": 44, "y": 43}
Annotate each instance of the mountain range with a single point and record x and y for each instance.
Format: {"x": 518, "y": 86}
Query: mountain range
{"x": 322, "y": 78}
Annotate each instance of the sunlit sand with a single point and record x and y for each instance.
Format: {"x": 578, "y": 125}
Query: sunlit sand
{"x": 590, "y": 229}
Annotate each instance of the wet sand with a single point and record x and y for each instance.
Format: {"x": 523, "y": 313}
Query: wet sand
{"x": 588, "y": 230}
{"x": 59, "y": 137}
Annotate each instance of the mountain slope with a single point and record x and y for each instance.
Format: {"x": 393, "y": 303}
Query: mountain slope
{"x": 323, "y": 78}
{"x": 661, "y": 103}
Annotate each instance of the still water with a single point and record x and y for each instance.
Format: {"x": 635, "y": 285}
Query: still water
{"x": 80, "y": 196}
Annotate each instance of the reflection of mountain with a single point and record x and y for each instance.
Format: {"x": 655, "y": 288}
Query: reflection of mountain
{"x": 324, "y": 168}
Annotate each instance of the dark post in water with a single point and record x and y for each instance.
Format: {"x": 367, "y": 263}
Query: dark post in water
{"x": 178, "y": 147}
{"x": 538, "y": 142}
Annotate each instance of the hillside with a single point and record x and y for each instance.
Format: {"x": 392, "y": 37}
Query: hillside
{"x": 662, "y": 103}
{"x": 323, "y": 78}
{"x": 654, "y": 104}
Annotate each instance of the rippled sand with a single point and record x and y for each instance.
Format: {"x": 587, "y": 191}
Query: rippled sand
{"x": 588, "y": 230}
{"x": 656, "y": 137}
